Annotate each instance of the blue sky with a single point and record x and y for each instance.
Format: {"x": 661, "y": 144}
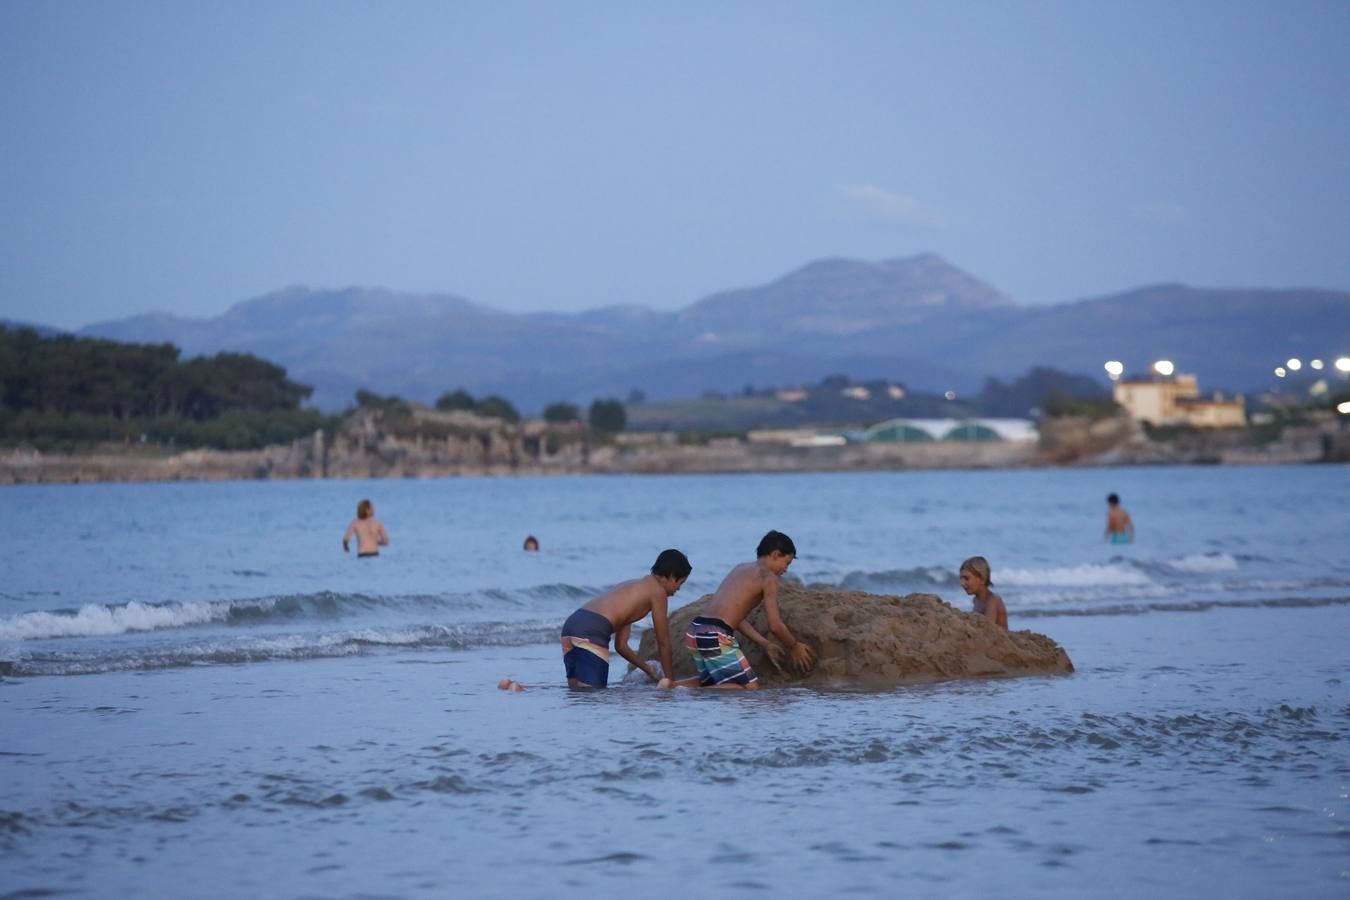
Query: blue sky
{"x": 561, "y": 156}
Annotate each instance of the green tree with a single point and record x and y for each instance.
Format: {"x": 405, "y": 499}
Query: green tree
{"x": 496, "y": 407}
{"x": 457, "y": 399}
{"x": 607, "y": 416}
{"x": 562, "y": 412}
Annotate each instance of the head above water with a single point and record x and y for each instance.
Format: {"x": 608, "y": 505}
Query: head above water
{"x": 775, "y": 540}
{"x": 1112, "y": 499}
{"x": 978, "y": 566}
{"x": 531, "y": 543}
{"x": 672, "y": 564}
{"x": 365, "y": 509}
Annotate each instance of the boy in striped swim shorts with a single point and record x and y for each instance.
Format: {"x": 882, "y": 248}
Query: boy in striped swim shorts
{"x": 711, "y": 637}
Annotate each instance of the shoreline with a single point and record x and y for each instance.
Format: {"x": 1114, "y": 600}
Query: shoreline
{"x": 315, "y": 459}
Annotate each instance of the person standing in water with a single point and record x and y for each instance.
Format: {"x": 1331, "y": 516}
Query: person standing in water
{"x": 370, "y": 533}
{"x": 711, "y": 637}
{"x": 976, "y": 580}
{"x": 586, "y": 633}
{"x": 1119, "y": 525}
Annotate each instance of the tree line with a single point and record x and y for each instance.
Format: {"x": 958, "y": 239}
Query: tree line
{"x": 607, "y": 416}
{"x": 65, "y": 391}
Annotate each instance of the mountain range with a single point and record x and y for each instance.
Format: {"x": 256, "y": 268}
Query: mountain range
{"x": 918, "y": 320}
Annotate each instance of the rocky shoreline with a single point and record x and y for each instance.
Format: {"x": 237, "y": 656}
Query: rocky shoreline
{"x": 461, "y": 444}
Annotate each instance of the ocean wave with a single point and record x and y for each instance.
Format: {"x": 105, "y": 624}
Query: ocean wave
{"x": 1111, "y": 574}
{"x": 299, "y": 646}
{"x": 1201, "y": 563}
{"x": 923, "y": 575}
{"x": 1128, "y": 609}
{"x": 105, "y": 620}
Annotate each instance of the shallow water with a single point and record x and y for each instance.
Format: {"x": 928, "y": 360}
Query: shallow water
{"x": 259, "y": 714}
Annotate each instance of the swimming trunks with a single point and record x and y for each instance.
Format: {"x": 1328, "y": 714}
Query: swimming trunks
{"x": 585, "y": 640}
{"x": 717, "y": 654}
{"x": 1120, "y": 537}
{"x": 364, "y": 555}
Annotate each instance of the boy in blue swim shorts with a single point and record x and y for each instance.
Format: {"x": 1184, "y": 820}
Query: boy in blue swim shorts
{"x": 711, "y": 637}
{"x": 586, "y": 633}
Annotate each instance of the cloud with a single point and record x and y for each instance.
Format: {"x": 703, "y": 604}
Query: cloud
{"x": 878, "y": 205}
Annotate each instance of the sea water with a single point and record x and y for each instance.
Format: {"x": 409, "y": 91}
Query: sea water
{"x": 202, "y": 695}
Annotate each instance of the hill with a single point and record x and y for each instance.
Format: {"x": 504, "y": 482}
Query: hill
{"x": 917, "y": 320}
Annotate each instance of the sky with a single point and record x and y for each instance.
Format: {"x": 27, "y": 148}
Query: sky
{"x": 184, "y": 156}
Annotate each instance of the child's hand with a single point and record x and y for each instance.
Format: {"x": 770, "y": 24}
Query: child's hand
{"x": 775, "y": 654}
{"x": 344, "y": 547}
{"x": 802, "y": 657}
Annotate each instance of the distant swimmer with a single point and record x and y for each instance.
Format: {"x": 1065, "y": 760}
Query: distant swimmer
{"x": 711, "y": 637}
{"x": 531, "y": 544}
{"x": 370, "y": 534}
{"x": 1119, "y": 525}
{"x": 586, "y": 633}
{"x": 976, "y": 580}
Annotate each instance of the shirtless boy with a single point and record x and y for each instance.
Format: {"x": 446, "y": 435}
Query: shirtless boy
{"x": 586, "y": 633}
{"x": 1119, "y": 526}
{"x": 370, "y": 534}
{"x": 711, "y": 637}
{"x": 976, "y": 581}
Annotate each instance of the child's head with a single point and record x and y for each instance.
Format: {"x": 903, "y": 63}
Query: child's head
{"x": 531, "y": 543}
{"x": 776, "y": 540}
{"x": 672, "y": 564}
{"x": 365, "y": 509}
{"x": 1112, "y": 500}
{"x": 975, "y": 575}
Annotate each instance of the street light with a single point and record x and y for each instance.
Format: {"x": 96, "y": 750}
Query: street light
{"x": 1343, "y": 407}
{"x": 1164, "y": 367}
{"x": 1343, "y": 364}
{"x": 1279, "y": 371}
{"x": 1294, "y": 364}
{"x": 1115, "y": 368}
{"x": 1316, "y": 364}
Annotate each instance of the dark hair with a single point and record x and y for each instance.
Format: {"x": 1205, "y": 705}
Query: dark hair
{"x": 364, "y": 509}
{"x": 776, "y": 540}
{"x": 672, "y": 563}
{"x": 1113, "y": 499}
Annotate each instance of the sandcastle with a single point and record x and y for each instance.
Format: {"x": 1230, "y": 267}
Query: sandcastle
{"x": 878, "y": 640}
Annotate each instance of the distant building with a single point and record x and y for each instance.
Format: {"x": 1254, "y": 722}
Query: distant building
{"x": 857, "y": 392}
{"x": 792, "y": 395}
{"x": 1014, "y": 430}
{"x": 1176, "y": 400}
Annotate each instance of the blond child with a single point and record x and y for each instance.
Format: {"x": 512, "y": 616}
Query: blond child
{"x": 976, "y": 580}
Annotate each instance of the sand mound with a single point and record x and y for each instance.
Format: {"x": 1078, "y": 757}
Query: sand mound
{"x": 868, "y": 638}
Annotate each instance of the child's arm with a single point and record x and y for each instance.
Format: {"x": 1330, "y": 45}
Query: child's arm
{"x": 381, "y": 536}
{"x": 351, "y": 529}
{"x": 661, "y": 625}
{"x": 801, "y": 654}
{"x": 621, "y": 645}
{"x": 771, "y": 650}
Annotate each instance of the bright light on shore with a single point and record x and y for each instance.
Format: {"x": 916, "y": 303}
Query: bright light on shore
{"x": 1343, "y": 364}
{"x": 1164, "y": 367}
{"x": 1279, "y": 371}
{"x": 1343, "y": 407}
{"x": 1316, "y": 364}
{"x": 1115, "y": 368}
{"x": 1294, "y": 364}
